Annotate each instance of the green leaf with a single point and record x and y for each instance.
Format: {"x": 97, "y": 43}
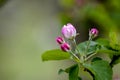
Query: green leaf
{"x": 114, "y": 41}
{"x": 108, "y": 50}
{"x": 96, "y": 59}
{"x": 67, "y": 70}
{"x": 112, "y": 54}
{"x": 103, "y": 42}
{"x": 112, "y": 47}
{"x": 73, "y": 73}
{"x": 92, "y": 47}
{"x": 55, "y": 54}
{"x": 115, "y": 60}
{"x": 79, "y": 78}
{"x": 105, "y": 47}
{"x": 113, "y": 37}
{"x": 100, "y": 69}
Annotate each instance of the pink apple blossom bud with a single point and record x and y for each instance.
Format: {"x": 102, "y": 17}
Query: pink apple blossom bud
{"x": 65, "y": 47}
{"x": 93, "y": 32}
{"x": 60, "y": 40}
{"x": 69, "y": 31}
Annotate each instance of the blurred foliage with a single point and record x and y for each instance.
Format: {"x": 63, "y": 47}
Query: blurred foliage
{"x": 84, "y": 14}
{"x": 2, "y": 2}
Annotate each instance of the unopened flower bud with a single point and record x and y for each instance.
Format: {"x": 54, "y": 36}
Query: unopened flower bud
{"x": 93, "y": 32}
{"x": 69, "y": 31}
{"x": 60, "y": 40}
{"x": 65, "y": 47}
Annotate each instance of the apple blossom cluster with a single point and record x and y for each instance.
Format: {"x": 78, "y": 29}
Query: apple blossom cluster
{"x": 85, "y": 53}
{"x": 69, "y": 33}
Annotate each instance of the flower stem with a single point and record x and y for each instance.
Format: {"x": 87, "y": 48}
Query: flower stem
{"x": 90, "y": 56}
{"x": 88, "y": 44}
{"x": 77, "y": 59}
{"x": 76, "y": 45}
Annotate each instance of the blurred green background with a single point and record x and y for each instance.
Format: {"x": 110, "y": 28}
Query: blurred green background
{"x": 29, "y": 27}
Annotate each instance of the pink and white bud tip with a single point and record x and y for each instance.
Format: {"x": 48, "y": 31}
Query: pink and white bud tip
{"x": 68, "y": 31}
{"x": 65, "y": 47}
{"x": 60, "y": 40}
{"x": 93, "y": 32}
